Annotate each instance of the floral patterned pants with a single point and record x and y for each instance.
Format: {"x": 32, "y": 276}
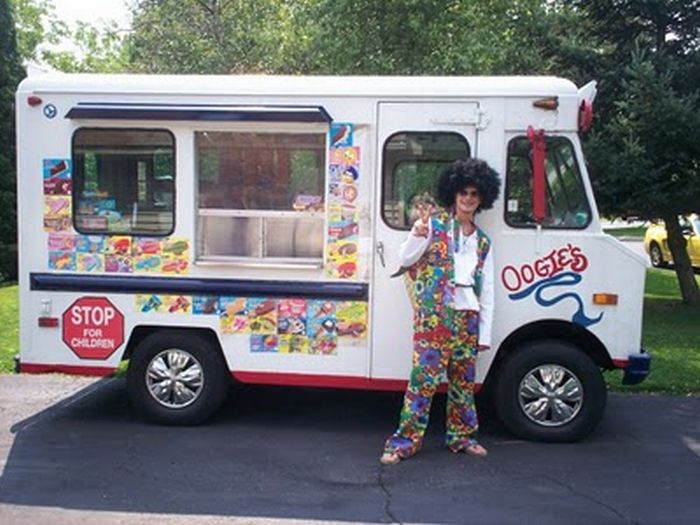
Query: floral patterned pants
{"x": 436, "y": 350}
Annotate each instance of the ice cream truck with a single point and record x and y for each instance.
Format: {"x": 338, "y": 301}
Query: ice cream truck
{"x": 206, "y": 228}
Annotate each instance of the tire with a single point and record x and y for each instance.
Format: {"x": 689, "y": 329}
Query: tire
{"x": 656, "y": 256}
{"x": 201, "y": 373}
{"x": 569, "y": 411}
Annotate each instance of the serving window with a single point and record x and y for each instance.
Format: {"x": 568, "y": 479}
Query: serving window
{"x": 260, "y": 196}
{"x": 124, "y": 181}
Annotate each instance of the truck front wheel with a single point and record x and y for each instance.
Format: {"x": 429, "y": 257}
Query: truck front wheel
{"x": 177, "y": 378}
{"x": 550, "y": 391}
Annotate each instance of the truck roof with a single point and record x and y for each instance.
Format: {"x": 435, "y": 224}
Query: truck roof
{"x": 351, "y": 86}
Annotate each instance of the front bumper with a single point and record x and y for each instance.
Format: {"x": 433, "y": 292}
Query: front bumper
{"x": 638, "y": 368}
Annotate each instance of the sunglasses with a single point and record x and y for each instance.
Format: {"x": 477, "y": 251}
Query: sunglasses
{"x": 468, "y": 193}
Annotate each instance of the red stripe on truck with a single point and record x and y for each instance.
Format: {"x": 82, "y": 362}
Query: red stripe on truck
{"x": 313, "y": 380}
{"x": 35, "y": 368}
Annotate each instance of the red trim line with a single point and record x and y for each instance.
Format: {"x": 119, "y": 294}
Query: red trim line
{"x": 620, "y": 363}
{"x": 34, "y": 368}
{"x": 321, "y": 381}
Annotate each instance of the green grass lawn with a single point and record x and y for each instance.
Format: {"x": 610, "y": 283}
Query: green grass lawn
{"x": 9, "y": 318}
{"x": 631, "y": 231}
{"x": 671, "y": 333}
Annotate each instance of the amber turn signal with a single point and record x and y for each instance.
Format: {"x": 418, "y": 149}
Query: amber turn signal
{"x": 550, "y": 103}
{"x": 609, "y": 299}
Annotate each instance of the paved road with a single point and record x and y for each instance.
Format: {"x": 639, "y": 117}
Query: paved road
{"x": 277, "y": 455}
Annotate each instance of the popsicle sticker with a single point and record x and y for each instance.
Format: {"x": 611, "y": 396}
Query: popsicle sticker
{"x": 62, "y": 261}
{"x": 345, "y": 156}
{"x": 147, "y": 263}
{"x": 149, "y": 303}
{"x": 293, "y": 344}
{"x": 90, "y": 244}
{"x": 262, "y": 315}
{"x": 57, "y": 177}
{"x": 205, "y": 305}
{"x": 178, "y": 304}
{"x": 263, "y": 343}
{"x": 57, "y": 225}
{"x": 234, "y": 315}
{"x": 324, "y": 345}
{"x": 341, "y": 134}
{"x": 291, "y": 316}
{"x": 176, "y": 246}
{"x": 56, "y": 207}
{"x": 62, "y": 242}
{"x": 174, "y": 265}
{"x": 91, "y": 262}
{"x": 351, "y": 317}
{"x": 118, "y": 264}
{"x": 321, "y": 318}
{"x": 118, "y": 245}
{"x": 146, "y": 246}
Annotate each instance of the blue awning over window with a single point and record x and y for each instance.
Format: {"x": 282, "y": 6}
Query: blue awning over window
{"x": 197, "y": 112}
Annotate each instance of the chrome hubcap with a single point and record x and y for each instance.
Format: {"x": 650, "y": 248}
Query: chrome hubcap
{"x": 174, "y": 378}
{"x": 550, "y": 395}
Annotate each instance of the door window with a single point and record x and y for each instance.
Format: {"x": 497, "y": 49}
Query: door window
{"x": 412, "y": 165}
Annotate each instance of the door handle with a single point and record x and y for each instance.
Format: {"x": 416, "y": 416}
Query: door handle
{"x": 380, "y": 252}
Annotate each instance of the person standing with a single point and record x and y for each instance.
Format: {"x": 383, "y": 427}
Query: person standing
{"x": 450, "y": 280}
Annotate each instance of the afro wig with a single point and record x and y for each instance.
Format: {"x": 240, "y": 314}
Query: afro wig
{"x": 464, "y": 173}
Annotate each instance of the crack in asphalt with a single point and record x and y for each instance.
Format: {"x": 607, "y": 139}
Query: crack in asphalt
{"x": 612, "y": 509}
{"x": 387, "y": 497}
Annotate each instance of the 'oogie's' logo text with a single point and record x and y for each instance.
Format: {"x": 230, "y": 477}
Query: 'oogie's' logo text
{"x": 560, "y": 267}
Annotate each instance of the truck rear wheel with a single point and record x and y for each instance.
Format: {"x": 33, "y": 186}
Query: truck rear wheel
{"x": 550, "y": 391}
{"x": 177, "y": 378}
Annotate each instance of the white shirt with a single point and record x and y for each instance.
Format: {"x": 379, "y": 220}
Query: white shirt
{"x": 465, "y": 261}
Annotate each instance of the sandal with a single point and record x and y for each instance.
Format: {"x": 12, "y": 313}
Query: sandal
{"x": 476, "y": 450}
{"x": 389, "y": 458}
{"x": 473, "y": 448}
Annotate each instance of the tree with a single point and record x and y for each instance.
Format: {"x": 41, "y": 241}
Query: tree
{"x": 644, "y": 156}
{"x": 400, "y": 37}
{"x": 36, "y": 27}
{"x": 95, "y": 49}
{"x": 10, "y": 74}
{"x": 100, "y": 50}
{"x": 211, "y": 36}
{"x": 434, "y": 37}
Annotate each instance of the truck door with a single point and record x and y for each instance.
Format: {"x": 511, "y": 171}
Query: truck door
{"x": 415, "y": 141}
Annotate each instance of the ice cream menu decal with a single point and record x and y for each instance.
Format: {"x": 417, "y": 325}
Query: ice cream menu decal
{"x": 343, "y": 211}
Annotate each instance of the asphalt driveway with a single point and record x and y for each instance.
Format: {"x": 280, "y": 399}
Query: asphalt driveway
{"x": 74, "y": 451}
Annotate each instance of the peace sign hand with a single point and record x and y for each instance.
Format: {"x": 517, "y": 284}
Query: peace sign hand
{"x": 420, "y": 227}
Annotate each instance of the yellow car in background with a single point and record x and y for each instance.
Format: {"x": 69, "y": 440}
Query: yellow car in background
{"x": 656, "y": 242}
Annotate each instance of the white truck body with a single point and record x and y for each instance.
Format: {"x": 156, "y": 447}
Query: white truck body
{"x": 98, "y": 274}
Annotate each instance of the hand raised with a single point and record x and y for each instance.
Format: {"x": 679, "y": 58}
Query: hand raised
{"x": 420, "y": 227}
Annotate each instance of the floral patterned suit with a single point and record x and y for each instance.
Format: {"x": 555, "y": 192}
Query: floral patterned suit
{"x": 444, "y": 340}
